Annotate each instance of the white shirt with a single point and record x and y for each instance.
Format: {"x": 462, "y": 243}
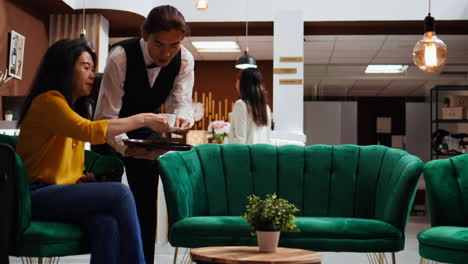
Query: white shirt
{"x": 109, "y": 102}
{"x": 243, "y": 128}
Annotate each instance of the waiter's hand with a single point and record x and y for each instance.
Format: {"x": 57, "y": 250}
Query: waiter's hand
{"x": 143, "y": 153}
{"x": 183, "y": 125}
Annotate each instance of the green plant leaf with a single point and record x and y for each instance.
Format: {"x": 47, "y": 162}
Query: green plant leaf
{"x": 270, "y": 214}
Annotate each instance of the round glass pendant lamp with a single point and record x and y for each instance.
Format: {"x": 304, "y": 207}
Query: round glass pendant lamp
{"x": 430, "y": 53}
{"x": 246, "y": 61}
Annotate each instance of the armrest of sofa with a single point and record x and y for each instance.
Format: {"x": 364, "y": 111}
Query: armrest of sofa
{"x": 14, "y": 179}
{"x": 178, "y": 190}
{"x": 105, "y": 168}
{"x": 397, "y": 189}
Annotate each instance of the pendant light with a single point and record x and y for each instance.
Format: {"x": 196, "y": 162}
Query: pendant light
{"x": 430, "y": 53}
{"x": 246, "y": 61}
{"x": 202, "y": 4}
{"x": 83, "y": 30}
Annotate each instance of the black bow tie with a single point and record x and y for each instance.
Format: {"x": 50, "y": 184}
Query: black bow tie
{"x": 151, "y": 66}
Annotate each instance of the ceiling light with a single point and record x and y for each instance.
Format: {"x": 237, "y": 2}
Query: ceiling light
{"x": 83, "y": 30}
{"x": 246, "y": 61}
{"x": 430, "y": 53}
{"x": 216, "y": 46}
{"x": 386, "y": 68}
{"x": 202, "y": 4}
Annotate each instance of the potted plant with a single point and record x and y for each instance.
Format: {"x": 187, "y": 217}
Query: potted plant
{"x": 8, "y": 115}
{"x": 219, "y": 129}
{"x": 268, "y": 218}
{"x": 446, "y": 102}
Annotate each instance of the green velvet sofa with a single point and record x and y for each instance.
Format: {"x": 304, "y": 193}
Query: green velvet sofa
{"x": 447, "y": 191}
{"x": 351, "y": 198}
{"x": 30, "y": 238}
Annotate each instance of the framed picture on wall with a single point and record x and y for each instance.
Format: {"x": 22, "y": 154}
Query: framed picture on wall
{"x": 16, "y": 55}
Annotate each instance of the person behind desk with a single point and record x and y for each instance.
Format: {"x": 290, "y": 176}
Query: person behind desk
{"x": 54, "y": 128}
{"x": 251, "y": 116}
{"x": 140, "y": 75}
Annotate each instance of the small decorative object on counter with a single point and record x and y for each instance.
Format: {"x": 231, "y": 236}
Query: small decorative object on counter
{"x": 219, "y": 130}
{"x": 8, "y": 115}
{"x": 446, "y": 102}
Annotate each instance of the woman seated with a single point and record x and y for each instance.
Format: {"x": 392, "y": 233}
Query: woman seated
{"x": 251, "y": 116}
{"x": 54, "y": 127}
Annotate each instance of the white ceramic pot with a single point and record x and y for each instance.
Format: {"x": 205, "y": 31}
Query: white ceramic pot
{"x": 8, "y": 117}
{"x": 268, "y": 240}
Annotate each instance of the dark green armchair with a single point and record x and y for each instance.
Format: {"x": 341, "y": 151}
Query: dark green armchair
{"x": 29, "y": 238}
{"x": 447, "y": 193}
{"x": 351, "y": 198}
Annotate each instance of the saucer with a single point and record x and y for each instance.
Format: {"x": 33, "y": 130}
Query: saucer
{"x": 173, "y": 129}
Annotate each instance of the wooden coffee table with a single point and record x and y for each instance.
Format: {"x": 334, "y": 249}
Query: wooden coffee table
{"x": 251, "y": 255}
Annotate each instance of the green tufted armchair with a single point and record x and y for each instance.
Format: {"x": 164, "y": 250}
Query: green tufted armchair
{"x": 29, "y": 238}
{"x": 447, "y": 192}
{"x": 352, "y": 198}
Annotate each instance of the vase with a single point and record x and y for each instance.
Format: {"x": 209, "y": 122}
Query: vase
{"x": 268, "y": 240}
{"x": 218, "y": 139}
{"x": 8, "y": 117}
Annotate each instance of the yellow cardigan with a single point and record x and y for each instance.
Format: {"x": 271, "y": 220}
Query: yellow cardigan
{"x": 51, "y": 140}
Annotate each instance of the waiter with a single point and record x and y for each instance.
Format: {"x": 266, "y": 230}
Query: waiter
{"x": 140, "y": 75}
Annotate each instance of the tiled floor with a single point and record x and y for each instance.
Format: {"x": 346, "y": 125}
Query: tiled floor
{"x": 164, "y": 253}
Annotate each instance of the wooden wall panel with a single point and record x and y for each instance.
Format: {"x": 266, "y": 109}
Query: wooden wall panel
{"x": 68, "y": 26}
{"x": 31, "y": 23}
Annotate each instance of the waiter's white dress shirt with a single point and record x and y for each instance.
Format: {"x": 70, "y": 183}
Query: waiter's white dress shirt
{"x": 109, "y": 102}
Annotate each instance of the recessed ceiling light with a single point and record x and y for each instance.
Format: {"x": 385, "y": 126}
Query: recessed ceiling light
{"x": 386, "y": 68}
{"x": 216, "y": 46}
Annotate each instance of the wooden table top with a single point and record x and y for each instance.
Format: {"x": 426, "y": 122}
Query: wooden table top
{"x": 251, "y": 255}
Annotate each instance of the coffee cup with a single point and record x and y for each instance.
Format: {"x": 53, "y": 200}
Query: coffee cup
{"x": 171, "y": 118}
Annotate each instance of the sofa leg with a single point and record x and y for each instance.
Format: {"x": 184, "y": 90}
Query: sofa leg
{"x": 378, "y": 258}
{"x": 175, "y": 255}
{"x": 393, "y": 258}
{"x": 427, "y": 261}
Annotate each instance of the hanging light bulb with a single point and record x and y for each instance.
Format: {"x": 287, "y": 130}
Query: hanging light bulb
{"x": 202, "y": 4}
{"x": 430, "y": 53}
{"x": 246, "y": 61}
{"x": 83, "y": 30}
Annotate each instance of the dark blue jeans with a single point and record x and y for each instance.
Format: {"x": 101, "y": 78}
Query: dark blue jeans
{"x": 106, "y": 211}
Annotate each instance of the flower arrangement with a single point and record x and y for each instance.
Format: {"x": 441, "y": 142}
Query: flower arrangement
{"x": 219, "y": 129}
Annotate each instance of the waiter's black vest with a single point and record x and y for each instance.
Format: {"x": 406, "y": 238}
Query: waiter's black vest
{"x": 139, "y": 97}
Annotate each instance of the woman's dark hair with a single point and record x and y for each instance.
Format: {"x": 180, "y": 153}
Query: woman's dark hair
{"x": 164, "y": 18}
{"x": 253, "y": 94}
{"x": 56, "y": 74}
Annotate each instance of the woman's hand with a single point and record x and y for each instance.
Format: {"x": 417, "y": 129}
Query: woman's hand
{"x": 118, "y": 126}
{"x": 87, "y": 177}
{"x": 157, "y": 123}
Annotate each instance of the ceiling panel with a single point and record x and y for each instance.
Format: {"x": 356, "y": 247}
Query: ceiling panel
{"x": 332, "y": 91}
{"x": 336, "y": 63}
{"x": 347, "y": 60}
{"x": 370, "y": 84}
{"x": 367, "y": 92}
